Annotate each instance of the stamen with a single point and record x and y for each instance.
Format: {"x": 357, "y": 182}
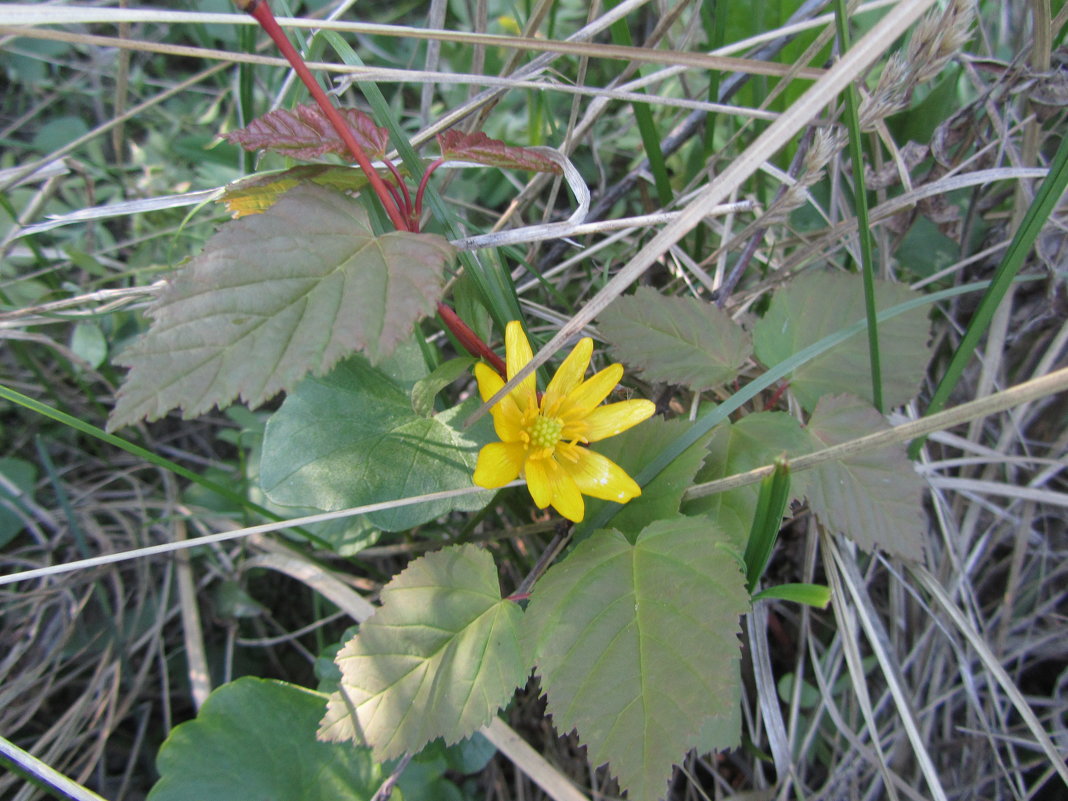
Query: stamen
{"x": 545, "y": 432}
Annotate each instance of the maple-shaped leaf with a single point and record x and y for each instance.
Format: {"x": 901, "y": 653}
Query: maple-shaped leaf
{"x": 275, "y": 296}
{"x": 874, "y": 497}
{"x": 637, "y": 646}
{"x": 816, "y": 305}
{"x": 306, "y": 134}
{"x": 480, "y": 149}
{"x": 437, "y": 659}
{"x": 675, "y": 340}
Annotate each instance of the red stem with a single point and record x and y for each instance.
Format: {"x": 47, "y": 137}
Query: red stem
{"x": 261, "y": 10}
{"x": 422, "y": 186}
{"x": 470, "y": 340}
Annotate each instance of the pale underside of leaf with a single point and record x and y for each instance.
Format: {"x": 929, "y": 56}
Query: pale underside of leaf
{"x": 819, "y": 304}
{"x": 675, "y": 340}
{"x": 637, "y": 646}
{"x": 874, "y": 497}
{"x": 275, "y": 296}
{"x": 437, "y": 659}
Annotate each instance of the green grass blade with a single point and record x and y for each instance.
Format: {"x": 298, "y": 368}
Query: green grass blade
{"x": 860, "y": 195}
{"x": 646, "y": 125}
{"x": 143, "y": 453}
{"x": 771, "y": 504}
{"x": 1051, "y": 189}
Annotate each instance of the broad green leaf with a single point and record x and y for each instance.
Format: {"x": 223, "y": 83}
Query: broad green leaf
{"x": 874, "y": 497}
{"x": 275, "y": 296}
{"x": 305, "y": 133}
{"x": 426, "y": 389}
{"x": 257, "y": 193}
{"x": 754, "y": 441}
{"x": 352, "y": 438}
{"x": 637, "y": 646}
{"x": 660, "y": 498}
{"x": 255, "y": 739}
{"x": 437, "y": 659}
{"x": 675, "y": 340}
{"x": 818, "y": 304}
{"x": 19, "y": 478}
{"x": 88, "y": 341}
{"x": 458, "y": 145}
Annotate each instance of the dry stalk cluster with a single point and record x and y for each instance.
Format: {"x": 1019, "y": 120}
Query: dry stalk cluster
{"x": 937, "y": 38}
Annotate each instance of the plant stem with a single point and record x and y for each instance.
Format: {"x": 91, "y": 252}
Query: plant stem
{"x": 261, "y": 11}
{"x": 470, "y": 340}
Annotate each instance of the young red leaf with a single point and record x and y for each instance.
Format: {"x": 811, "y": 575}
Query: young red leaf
{"x": 305, "y": 133}
{"x": 479, "y": 148}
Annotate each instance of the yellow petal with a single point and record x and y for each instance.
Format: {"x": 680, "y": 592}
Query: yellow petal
{"x": 489, "y": 382}
{"x": 538, "y": 483}
{"x": 582, "y": 399}
{"x": 498, "y": 463}
{"x": 567, "y": 499}
{"x": 600, "y": 477}
{"x": 607, "y": 421}
{"x": 507, "y": 419}
{"x": 568, "y": 376}
{"x": 518, "y": 355}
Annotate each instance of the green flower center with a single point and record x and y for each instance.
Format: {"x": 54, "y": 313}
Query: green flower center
{"x": 545, "y": 432}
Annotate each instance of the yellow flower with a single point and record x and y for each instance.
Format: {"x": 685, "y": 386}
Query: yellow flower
{"x": 544, "y": 442}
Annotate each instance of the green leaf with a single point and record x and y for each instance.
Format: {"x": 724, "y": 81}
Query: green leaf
{"x": 675, "y": 340}
{"x": 818, "y": 304}
{"x": 874, "y": 497}
{"x": 351, "y": 438}
{"x": 438, "y": 659}
{"x": 88, "y": 341}
{"x": 275, "y": 296}
{"x": 810, "y": 594}
{"x": 754, "y": 441}
{"x": 20, "y": 476}
{"x": 661, "y": 497}
{"x": 426, "y": 389}
{"x": 255, "y": 739}
{"x": 257, "y": 193}
{"x": 637, "y": 646}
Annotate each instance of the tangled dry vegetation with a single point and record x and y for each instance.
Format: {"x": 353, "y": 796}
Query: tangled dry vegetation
{"x": 947, "y": 680}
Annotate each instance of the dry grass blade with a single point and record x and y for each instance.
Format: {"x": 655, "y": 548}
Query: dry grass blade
{"x": 861, "y": 56}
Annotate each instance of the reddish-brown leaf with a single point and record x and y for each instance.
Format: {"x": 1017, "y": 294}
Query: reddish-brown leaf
{"x": 305, "y": 133}
{"x": 479, "y": 148}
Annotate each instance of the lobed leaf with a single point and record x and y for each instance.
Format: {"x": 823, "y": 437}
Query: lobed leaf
{"x": 306, "y": 134}
{"x": 437, "y": 659}
{"x": 352, "y": 438}
{"x": 637, "y": 647}
{"x": 675, "y": 340}
{"x": 477, "y": 147}
{"x": 874, "y": 497}
{"x": 255, "y": 739}
{"x": 275, "y": 296}
{"x": 818, "y": 304}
